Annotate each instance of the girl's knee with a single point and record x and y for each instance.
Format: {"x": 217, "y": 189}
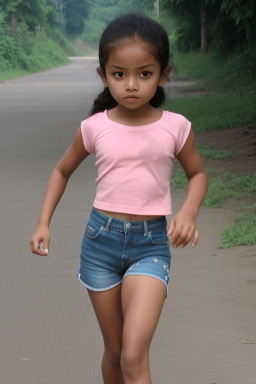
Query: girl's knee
{"x": 133, "y": 362}
{"x": 113, "y": 355}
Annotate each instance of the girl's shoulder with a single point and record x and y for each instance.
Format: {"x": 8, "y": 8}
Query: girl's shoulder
{"x": 94, "y": 118}
{"x": 174, "y": 118}
{"x": 178, "y": 127}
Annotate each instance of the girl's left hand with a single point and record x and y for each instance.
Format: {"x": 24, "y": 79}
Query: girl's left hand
{"x": 183, "y": 229}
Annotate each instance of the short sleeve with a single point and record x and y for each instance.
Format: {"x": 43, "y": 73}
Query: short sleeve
{"x": 183, "y": 128}
{"x": 87, "y": 136}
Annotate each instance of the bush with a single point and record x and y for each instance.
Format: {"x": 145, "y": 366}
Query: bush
{"x": 29, "y": 52}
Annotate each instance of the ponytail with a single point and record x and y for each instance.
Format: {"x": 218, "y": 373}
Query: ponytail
{"x": 102, "y": 102}
{"x": 158, "y": 98}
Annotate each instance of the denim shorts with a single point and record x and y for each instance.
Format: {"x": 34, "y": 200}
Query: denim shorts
{"x": 113, "y": 249}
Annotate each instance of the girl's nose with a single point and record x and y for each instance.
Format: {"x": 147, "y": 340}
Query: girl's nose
{"x": 131, "y": 84}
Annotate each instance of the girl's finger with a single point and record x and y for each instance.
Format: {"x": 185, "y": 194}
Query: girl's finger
{"x": 171, "y": 228}
{"x": 46, "y": 247}
{"x": 175, "y": 237}
{"x": 196, "y": 238}
{"x": 34, "y": 245}
{"x": 184, "y": 237}
{"x": 188, "y": 238}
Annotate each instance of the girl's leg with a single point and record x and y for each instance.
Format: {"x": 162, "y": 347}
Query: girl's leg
{"x": 142, "y": 302}
{"x": 107, "y": 306}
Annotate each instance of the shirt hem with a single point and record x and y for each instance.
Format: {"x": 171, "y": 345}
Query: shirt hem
{"x": 133, "y": 210}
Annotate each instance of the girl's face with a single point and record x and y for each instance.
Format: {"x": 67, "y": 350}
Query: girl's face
{"x": 133, "y": 74}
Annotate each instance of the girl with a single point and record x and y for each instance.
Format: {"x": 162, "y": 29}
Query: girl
{"x": 125, "y": 253}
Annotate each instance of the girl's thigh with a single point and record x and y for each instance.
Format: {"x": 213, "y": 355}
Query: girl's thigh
{"x": 142, "y": 302}
{"x": 108, "y": 310}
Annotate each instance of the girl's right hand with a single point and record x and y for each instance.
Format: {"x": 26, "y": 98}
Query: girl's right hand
{"x": 41, "y": 235}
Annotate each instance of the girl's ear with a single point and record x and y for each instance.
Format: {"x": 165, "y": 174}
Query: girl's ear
{"x": 102, "y": 76}
{"x": 164, "y": 75}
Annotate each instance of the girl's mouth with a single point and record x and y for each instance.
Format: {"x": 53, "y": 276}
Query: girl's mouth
{"x": 131, "y": 98}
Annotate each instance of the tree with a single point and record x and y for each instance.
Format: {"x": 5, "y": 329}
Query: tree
{"x": 142, "y": 5}
{"x": 242, "y": 14}
{"x": 9, "y": 6}
{"x": 224, "y": 24}
{"x": 9, "y": 9}
{"x": 186, "y": 15}
{"x": 75, "y": 12}
{"x": 204, "y": 31}
{"x": 32, "y": 12}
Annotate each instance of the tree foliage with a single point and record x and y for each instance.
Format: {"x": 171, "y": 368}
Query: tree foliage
{"x": 32, "y": 32}
{"x": 66, "y": 13}
{"x": 230, "y": 23}
{"x": 101, "y": 12}
{"x": 75, "y": 13}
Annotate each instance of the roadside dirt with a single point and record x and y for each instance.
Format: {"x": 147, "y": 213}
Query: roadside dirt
{"x": 241, "y": 141}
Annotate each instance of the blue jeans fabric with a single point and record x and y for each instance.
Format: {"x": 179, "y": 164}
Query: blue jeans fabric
{"x": 113, "y": 249}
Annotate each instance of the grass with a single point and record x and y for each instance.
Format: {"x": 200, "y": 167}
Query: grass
{"x": 221, "y": 190}
{"x": 208, "y": 151}
{"x": 216, "y": 111}
{"x": 216, "y": 73}
{"x": 49, "y": 56}
{"x": 26, "y": 56}
{"x": 231, "y": 83}
{"x": 241, "y": 232}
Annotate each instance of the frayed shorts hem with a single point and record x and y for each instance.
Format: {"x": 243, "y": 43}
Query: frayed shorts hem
{"x": 98, "y": 289}
{"x": 120, "y": 282}
{"x": 149, "y": 275}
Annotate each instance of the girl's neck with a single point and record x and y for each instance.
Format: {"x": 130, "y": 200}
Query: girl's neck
{"x": 135, "y": 117}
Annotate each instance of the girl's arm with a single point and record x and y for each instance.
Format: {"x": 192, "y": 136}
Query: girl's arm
{"x": 183, "y": 226}
{"x": 74, "y": 155}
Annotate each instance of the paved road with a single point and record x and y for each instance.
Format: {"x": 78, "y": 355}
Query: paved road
{"x": 48, "y": 333}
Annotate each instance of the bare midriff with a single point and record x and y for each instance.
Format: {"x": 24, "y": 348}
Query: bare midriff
{"x": 127, "y": 216}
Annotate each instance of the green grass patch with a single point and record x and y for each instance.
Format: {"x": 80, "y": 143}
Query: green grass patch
{"x": 215, "y": 72}
{"x": 220, "y": 190}
{"x": 207, "y": 150}
{"x": 241, "y": 232}
{"x": 179, "y": 179}
{"x": 49, "y": 55}
{"x": 230, "y": 186}
{"x": 243, "y": 183}
{"x": 27, "y": 54}
{"x": 232, "y": 83}
{"x": 216, "y": 111}
{"x": 218, "y": 193}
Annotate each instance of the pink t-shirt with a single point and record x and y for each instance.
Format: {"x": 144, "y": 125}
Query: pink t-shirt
{"x": 134, "y": 163}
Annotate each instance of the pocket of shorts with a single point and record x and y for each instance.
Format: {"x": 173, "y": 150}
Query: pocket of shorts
{"x": 92, "y": 230}
{"x": 159, "y": 237}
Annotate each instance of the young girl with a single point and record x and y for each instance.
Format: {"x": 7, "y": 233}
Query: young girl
{"x": 125, "y": 253}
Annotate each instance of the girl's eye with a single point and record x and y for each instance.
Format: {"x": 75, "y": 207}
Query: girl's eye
{"x": 119, "y": 75}
{"x": 145, "y": 74}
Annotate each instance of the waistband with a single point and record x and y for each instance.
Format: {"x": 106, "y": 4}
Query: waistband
{"x": 144, "y": 226}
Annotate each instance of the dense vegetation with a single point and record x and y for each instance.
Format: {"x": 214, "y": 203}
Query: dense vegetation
{"x": 34, "y": 34}
{"x": 28, "y": 26}
{"x": 102, "y": 12}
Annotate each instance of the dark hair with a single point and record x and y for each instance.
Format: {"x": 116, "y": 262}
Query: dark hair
{"x": 129, "y": 26}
